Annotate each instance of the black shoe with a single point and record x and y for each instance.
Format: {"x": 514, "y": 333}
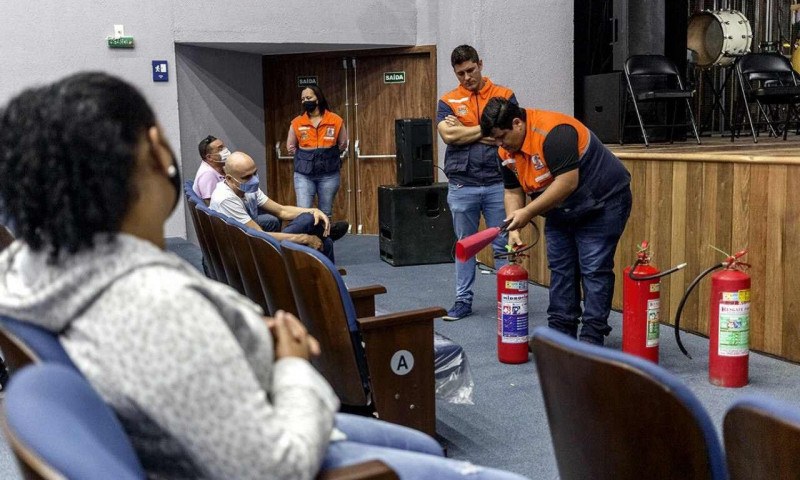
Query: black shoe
{"x": 338, "y": 230}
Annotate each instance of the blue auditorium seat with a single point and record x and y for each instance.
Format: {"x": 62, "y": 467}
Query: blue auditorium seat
{"x": 58, "y": 424}
{"x": 616, "y": 416}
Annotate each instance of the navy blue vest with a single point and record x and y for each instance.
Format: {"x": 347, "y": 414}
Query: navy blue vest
{"x": 317, "y": 161}
{"x": 601, "y": 177}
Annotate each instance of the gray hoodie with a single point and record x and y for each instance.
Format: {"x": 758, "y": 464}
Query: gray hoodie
{"x": 186, "y": 363}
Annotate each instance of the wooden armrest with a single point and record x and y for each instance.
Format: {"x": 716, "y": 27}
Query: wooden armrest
{"x": 400, "y": 318}
{"x": 369, "y": 290}
{"x": 364, "y": 299}
{"x": 16, "y": 353}
{"x": 399, "y": 352}
{"x": 371, "y": 470}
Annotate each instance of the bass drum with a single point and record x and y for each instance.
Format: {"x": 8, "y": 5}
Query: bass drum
{"x": 717, "y": 38}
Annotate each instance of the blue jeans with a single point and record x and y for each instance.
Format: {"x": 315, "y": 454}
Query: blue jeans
{"x": 268, "y": 222}
{"x": 581, "y": 253}
{"x": 304, "y": 223}
{"x": 466, "y": 204}
{"x": 324, "y": 186}
{"x": 410, "y": 453}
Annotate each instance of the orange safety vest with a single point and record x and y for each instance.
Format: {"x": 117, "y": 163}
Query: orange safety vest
{"x": 529, "y": 163}
{"x": 468, "y": 106}
{"x": 317, "y": 147}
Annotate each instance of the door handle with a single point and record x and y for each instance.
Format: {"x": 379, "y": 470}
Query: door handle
{"x": 359, "y": 156}
{"x": 278, "y": 153}
{"x": 615, "y": 30}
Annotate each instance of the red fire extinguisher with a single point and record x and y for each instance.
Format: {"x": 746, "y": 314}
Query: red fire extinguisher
{"x": 512, "y": 312}
{"x": 641, "y": 305}
{"x": 729, "y": 325}
{"x": 512, "y": 292}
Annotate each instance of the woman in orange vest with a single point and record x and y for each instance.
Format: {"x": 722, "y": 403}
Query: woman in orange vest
{"x": 316, "y": 138}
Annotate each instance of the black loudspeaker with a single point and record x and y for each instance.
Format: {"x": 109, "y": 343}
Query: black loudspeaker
{"x": 607, "y": 32}
{"x": 415, "y": 224}
{"x": 602, "y": 105}
{"x": 603, "y": 99}
{"x": 414, "y": 142}
{"x": 639, "y": 28}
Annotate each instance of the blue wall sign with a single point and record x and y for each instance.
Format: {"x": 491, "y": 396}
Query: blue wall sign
{"x": 160, "y": 71}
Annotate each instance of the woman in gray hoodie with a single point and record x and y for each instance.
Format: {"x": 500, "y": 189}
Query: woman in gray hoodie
{"x": 205, "y": 386}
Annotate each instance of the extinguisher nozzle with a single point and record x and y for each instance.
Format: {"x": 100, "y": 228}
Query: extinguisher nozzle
{"x": 682, "y": 265}
{"x": 468, "y": 247}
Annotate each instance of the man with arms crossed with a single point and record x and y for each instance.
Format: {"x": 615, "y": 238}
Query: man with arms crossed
{"x": 471, "y": 164}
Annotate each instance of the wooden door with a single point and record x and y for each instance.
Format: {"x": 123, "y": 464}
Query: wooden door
{"x": 377, "y": 103}
{"x": 283, "y": 77}
{"x": 357, "y": 89}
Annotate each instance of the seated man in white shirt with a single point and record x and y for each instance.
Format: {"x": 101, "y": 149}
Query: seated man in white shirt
{"x": 239, "y": 197}
{"x": 214, "y": 154}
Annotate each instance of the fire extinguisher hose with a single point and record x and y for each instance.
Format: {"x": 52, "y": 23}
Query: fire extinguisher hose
{"x": 653, "y": 276}
{"x": 683, "y": 302}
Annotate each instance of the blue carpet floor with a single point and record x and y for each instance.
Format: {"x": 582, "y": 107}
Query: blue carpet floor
{"x": 507, "y": 426}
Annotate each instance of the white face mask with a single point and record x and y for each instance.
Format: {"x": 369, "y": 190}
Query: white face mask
{"x": 223, "y": 155}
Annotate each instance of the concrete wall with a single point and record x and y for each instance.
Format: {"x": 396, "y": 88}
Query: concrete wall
{"x": 526, "y": 45}
{"x": 43, "y": 40}
{"x": 387, "y": 22}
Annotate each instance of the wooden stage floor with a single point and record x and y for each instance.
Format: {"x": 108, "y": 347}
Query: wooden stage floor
{"x": 717, "y": 148}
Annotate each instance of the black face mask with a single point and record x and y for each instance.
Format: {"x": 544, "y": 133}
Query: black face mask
{"x": 309, "y": 106}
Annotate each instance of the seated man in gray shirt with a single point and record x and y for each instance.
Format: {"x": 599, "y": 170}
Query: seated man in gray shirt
{"x": 240, "y": 198}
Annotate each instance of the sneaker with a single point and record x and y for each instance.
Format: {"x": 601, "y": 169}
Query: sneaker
{"x": 338, "y": 230}
{"x": 459, "y": 311}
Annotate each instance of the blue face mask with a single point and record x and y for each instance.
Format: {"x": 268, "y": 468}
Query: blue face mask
{"x": 250, "y": 186}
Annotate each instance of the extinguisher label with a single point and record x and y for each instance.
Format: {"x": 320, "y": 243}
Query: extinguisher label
{"x": 740, "y": 296}
{"x": 653, "y": 317}
{"x": 512, "y": 318}
{"x": 734, "y": 328}
{"x": 519, "y": 285}
{"x": 655, "y": 287}
{"x": 744, "y": 295}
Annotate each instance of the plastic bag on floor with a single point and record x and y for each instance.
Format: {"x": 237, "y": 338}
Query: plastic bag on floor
{"x": 453, "y": 376}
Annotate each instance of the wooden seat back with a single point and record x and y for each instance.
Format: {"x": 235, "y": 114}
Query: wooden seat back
{"x": 247, "y": 264}
{"x": 322, "y": 311}
{"x": 220, "y": 233}
{"x": 615, "y": 416}
{"x": 271, "y": 272}
{"x": 214, "y": 257}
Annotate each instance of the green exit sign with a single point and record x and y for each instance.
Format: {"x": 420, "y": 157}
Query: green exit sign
{"x": 306, "y": 80}
{"x": 394, "y": 77}
{"x": 121, "y": 42}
